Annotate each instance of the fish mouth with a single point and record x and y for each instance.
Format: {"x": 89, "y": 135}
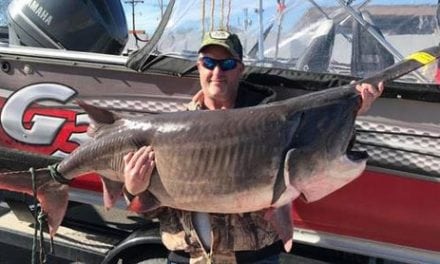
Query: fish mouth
{"x": 357, "y": 156}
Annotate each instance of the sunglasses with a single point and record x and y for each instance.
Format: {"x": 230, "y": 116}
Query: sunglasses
{"x": 225, "y": 65}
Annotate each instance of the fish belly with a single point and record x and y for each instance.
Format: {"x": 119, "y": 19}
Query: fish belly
{"x": 223, "y": 175}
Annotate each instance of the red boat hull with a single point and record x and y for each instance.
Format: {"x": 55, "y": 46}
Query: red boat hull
{"x": 381, "y": 207}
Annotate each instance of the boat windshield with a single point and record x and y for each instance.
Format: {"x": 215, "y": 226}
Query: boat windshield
{"x": 349, "y": 37}
{"x": 3, "y": 17}
{"x": 354, "y": 38}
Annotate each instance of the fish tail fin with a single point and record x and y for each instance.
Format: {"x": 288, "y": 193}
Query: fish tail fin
{"x": 52, "y": 195}
{"x": 53, "y": 198}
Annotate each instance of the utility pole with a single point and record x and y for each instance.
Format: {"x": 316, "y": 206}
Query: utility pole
{"x": 133, "y": 3}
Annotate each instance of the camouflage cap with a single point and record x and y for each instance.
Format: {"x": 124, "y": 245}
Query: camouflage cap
{"x": 228, "y": 40}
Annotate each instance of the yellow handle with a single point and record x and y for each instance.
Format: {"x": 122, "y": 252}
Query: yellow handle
{"x": 421, "y": 57}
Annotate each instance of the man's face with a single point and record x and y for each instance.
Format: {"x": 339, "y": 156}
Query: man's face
{"x": 219, "y": 85}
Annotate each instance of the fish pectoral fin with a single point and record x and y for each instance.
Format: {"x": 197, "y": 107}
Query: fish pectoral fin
{"x": 112, "y": 190}
{"x": 283, "y": 191}
{"x": 281, "y": 220}
{"x": 280, "y": 185}
{"x": 144, "y": 203}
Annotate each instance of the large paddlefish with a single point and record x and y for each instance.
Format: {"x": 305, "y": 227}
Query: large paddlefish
{"x": 227, "y": 161}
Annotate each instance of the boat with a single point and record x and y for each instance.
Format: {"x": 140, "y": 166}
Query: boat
{"x": 391, "y": 211}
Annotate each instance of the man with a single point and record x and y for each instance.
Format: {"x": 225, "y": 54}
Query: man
{"x": 195, "y": 237}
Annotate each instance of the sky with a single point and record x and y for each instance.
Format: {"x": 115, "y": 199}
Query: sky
{"x": 147, "y": 14}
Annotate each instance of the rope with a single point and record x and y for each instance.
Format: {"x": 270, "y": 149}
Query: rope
{"x": 34, "y": 193}
{"x": 56, "y": 176}
{"x": 42, "y": 219}
{"x": 21, "y": 172}
{"x": 39, "y": 219}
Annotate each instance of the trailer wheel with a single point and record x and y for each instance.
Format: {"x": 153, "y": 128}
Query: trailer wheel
{"x": 142, "y": 254}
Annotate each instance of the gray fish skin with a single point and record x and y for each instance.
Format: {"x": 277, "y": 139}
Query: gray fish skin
{"x": 236, "y": 159}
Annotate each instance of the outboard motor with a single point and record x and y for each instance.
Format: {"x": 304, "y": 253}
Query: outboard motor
{"x": 86, "y": 25}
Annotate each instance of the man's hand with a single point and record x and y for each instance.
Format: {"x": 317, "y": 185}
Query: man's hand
{"x": 369, "y": 94}
{"x": 138, "y": 167}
